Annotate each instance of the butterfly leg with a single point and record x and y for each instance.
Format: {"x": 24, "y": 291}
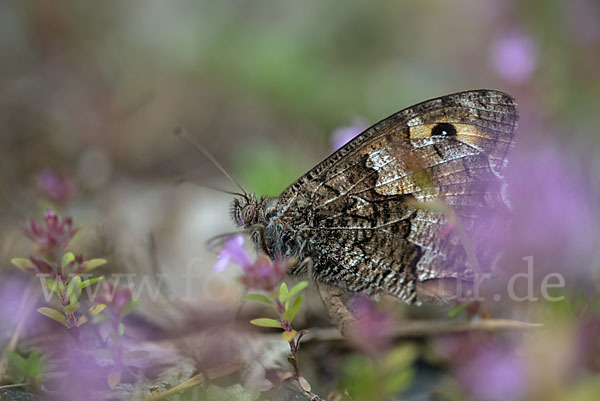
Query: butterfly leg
{"x": 333, "y": 300}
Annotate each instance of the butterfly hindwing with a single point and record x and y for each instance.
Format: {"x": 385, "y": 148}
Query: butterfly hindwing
{"x": 374, "y": 216}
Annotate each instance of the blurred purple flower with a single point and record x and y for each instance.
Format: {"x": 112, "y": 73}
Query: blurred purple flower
{"x": 371, "y": 333}
{"x": 114, "y": 297}
{"x": 12, "y": 291}
{"x": 513, "y": 57}
{"x": 262, "y": 274}
{"x": 265, "y": 274}
{"x": 55, "y": 236}
{"x": 583, "y": 19}
{"x": 555, "y": 213}
{"x": 496, "y": 373}
{"x": 234, "y": 252}
{"x": 86, "y": 378}
{"x": 342, "y": 135}
{"x": 55, "y": 188}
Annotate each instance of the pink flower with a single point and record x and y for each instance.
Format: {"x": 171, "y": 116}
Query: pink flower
{"x": 371, "y": 333}
{"x": 55, "y": 188}
{"x": 115, "y": 297}
{"x": 265, "y": 274}
{"x": 234, "y": 252}
{"x": 56, "y": 234}
{"x": 262, "y": 274}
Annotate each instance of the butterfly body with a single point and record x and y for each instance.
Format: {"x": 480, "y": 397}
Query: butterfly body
{"x": 380, "y": 215}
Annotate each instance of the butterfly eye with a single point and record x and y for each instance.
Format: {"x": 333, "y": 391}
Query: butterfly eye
{"x": 248, "y": 214}
{"x": 443, "y": 129}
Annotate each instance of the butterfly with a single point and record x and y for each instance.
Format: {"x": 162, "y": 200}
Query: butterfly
{"x": 389, "y": 211}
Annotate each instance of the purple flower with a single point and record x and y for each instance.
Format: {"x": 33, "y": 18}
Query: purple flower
{"x": 115, "y": 297}
{"x": 555, "y": 214}
{"x": 42, "y": 267}
{"x": 55, "y": 236}
{"x": 371, "y": 333}
{"x": 55, "y": 188}
{"x": 342, "y": 135}
{"x": 262, "y": 274}
{"x": 496, "y": 373}
{"x": 234, "y": 252}
{"x": 265, "y": 274}
{"x": 12, "y": 291}
{"x": 513, "y": 57}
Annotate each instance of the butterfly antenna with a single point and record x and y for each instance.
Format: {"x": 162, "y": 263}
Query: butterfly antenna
{"x": 181, "y": 180}
{"x": 213, "y": 242}
{"x": 183, "y": 133}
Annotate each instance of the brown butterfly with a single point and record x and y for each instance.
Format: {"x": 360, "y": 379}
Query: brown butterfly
{"x": 384, "y": 214}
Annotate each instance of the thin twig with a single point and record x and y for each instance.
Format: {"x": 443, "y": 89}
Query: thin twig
{"x": 12, "y": 385}
{"x": 425, "y": 328}
{"x": 213, "y": 373}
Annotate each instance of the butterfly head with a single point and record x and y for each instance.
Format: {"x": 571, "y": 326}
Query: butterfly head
{"x": 247, "y": 211}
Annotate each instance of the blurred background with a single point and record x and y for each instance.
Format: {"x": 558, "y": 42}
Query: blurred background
{"x": 92, "y": 92}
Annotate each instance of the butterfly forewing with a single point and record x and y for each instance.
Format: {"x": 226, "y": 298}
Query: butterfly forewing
{"x": 379, "y": 214}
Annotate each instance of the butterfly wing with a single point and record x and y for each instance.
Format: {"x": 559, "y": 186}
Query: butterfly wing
{"x": 388, "y": 208}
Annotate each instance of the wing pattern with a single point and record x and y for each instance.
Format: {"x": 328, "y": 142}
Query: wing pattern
{"x": 376, "y": 216}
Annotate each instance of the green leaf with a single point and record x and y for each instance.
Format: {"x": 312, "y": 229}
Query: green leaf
{"x": 23, "y": 264}
{"x": 129, "y": 307}
{"x": 297, "y": 288}
{"x": 289, "y": 335}
{"x": 66, "y": 259}
{"x": 291, "y": 313}
{"x": 54, "y": 286}
{"x": 83, "y": 319}
{"x": 399, "y": 358}
{"x": 457, "y": 310}
{"x": 266, "y": 322}
{"x": 74, "y": 298}
{"x": 283, "y": 292}
{"x": 121, "y": 329}
{"x": 17, "y": 362}
{"x": 73, "y": 288}
{"x": 89, "y": 282}
{"x": 114, "y": 378}
{"x": 54, "y": 315}
{"x": 96, "y": 309}
{"x": 92, "y": 264}
{"x": 72, "y": 307}
{"x": 399, "y": 381}
{"x": 258, "y": 298}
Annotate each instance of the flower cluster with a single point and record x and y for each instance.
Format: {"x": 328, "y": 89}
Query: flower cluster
{"x": 60, "y": 269}
{"x": 53, "y": 235}
{"x": 266, "y": 276}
